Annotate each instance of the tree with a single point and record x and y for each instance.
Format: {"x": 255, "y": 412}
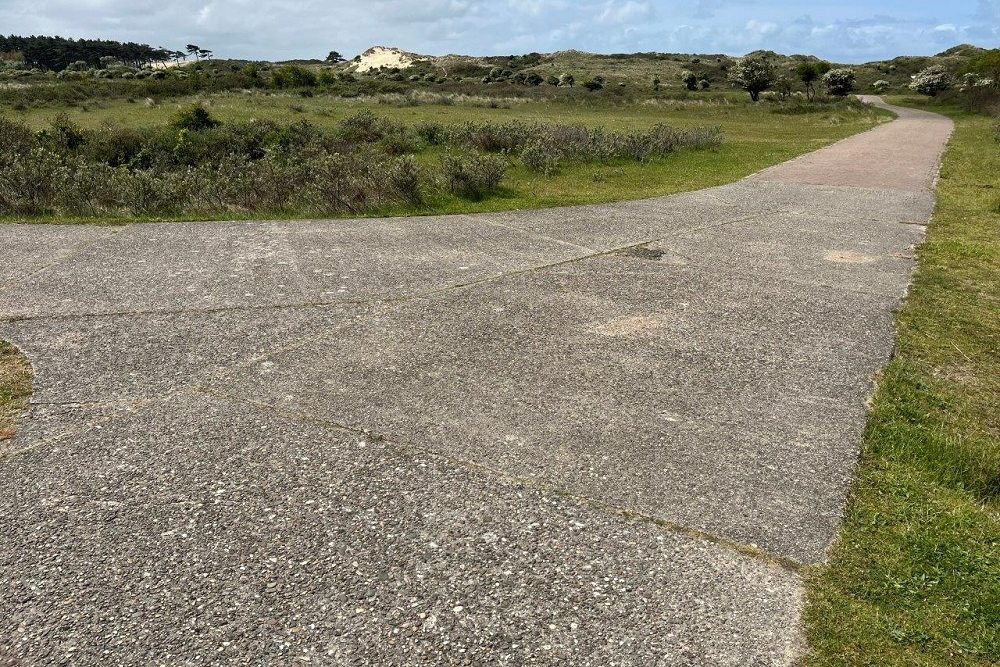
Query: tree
{"x": 204, "y": 54}
{"x": 931, "y": 80}
{"x": 567, "y": 80}
{"x": 57, "y": 53}
{"x": 334, "y": 57}
{"x": 754, "y": 74}
{"x": 533, "y": 79}
{"x": 784, "y": 86}
{"x": 809, "y": 73}
{"x": 193, "y": 50}
{"x": 839, "y": 82}
{"x": 689, "y": 79}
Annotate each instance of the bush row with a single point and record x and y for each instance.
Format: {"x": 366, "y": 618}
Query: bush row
{"x": 198, "y": 166}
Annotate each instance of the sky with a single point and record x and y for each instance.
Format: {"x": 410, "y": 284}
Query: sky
{"x": 847, "y": 31}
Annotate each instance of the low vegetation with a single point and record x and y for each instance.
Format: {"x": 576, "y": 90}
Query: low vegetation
{"x": 198, "y": 166}
{"x": 914, "y": 579}
{"x": 15, "y": 389}
{"x": 247, "y": 156}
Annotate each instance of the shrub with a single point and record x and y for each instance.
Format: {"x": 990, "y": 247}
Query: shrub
{"x": 337, "y": 182}
{"x": 491, "y": 137}
{"x": 839, "y": 82}
{"x": 541, "y": 158}
{"x": 293, "y": 76}
{"x": 931, "y": 80}
{"x": 705, "y": 84}
{"x": 404, "y": 177}
{"x": 398, "y": 140}
{"x": 28, "y": 181}
{"x": 472, "y": 176}
{"x": 754, "y": 74}
{"x": 364, "y": 127}
{"x": 65, "y": 134}
{"x": 432, "y": 132}
{"x": 881, "y": 86}
{"x": 15, "y": 137}
{"x": 145, "y": 192}
{"x": 593, "y": 85}
{"x": 193, "y": 118}
{"x": 689, "y": 79}
{"x": 567, "y": 80}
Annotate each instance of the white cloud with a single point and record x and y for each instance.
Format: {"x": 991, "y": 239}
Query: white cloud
{"x": 848, "y": 31}
{"x": 761, "y": 28}
{"x": 625, "y": 12}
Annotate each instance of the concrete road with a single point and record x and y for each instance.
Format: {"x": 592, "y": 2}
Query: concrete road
{"x": 602, "y": 435}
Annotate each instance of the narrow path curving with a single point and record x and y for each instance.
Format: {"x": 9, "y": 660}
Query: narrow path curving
{"x": 595, "y": 435}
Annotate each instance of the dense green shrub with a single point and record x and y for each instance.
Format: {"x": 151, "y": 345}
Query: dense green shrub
{"x": 432, "y": 132}
{"x": 194, "y": 118}
{"x": 293, "y": 76}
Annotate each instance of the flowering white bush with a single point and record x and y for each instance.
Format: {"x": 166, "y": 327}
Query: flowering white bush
{"x": 931, "y": 81}
{"x": 839, "y": 81}
{"x": 881, "y": 86}
{"x": 754, "y": 74}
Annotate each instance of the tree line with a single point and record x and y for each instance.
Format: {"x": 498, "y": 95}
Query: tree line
{"x": 58, "y": 53}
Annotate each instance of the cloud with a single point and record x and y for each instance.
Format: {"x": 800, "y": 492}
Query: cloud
{"x": 625, "y": 12}
{"x": 848, "y": 31}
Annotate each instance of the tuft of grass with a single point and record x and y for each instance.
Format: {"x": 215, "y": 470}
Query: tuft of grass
{"x": 914, "y": 578}
{"x": 15, "y": 389}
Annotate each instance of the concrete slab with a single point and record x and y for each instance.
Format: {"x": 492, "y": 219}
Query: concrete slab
{"x": 213, "y": 265}
{"x": 201, "y": 531}
{"x": 806, "y": 248}
{"x": 617, "y": 378}
{"x": 28, "y": 249}
{"x": 127, "y": 357}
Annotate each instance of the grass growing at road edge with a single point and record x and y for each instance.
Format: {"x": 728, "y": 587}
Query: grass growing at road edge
{"x": 914, "y": 578}
{"x": 15, "y": 388}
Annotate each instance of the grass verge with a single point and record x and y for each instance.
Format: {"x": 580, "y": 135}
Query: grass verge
{"x": 15, "y": 388}
{"x": 914, "y": 578}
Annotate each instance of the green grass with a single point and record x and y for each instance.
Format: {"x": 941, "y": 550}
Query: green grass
{"x": 15, "y": 388}
{"x": 755, "y": 138}
{"x": 914, "y": 578}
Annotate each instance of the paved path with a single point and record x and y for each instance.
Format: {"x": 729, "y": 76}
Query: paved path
{"x": 604, "y": 435}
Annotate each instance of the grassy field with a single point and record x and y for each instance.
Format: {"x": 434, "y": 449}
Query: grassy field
{"x": 15, "y": 388}
{"x": 755, "y": 137}
{"x": 915, "y": 576}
